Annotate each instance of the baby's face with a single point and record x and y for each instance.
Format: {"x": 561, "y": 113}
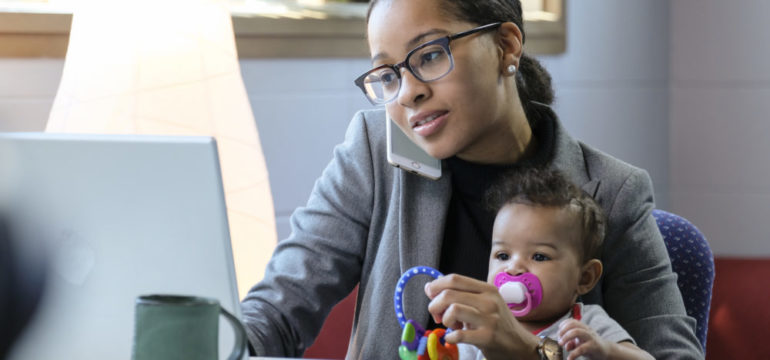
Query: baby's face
{"x": 543, "y": 241}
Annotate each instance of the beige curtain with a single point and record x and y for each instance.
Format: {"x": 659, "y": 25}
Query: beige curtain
{"x": 169, "y": 67}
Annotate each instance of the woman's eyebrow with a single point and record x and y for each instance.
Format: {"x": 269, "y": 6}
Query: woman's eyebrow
{"x": 419, "y": 39}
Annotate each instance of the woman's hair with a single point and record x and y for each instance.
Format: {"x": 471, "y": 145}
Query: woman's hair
{"x": 543, "y": 187}
{"x": 532, "y": 80}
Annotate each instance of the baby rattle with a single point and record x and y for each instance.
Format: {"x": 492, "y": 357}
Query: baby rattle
{"x": 416, "y": 342}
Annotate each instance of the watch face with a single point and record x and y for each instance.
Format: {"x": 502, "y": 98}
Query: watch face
{"x": 550, "y": 349}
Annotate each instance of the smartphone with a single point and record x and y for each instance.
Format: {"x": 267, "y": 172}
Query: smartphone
{"x": 404, "y": 154}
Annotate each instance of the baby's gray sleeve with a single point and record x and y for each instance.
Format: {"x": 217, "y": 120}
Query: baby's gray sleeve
{"x": 597, "y": 319}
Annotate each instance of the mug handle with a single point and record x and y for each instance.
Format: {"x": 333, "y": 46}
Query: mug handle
{"x": 240, "y": 335}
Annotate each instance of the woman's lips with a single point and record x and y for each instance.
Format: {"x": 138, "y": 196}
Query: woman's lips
{"x": 430, "y": 124}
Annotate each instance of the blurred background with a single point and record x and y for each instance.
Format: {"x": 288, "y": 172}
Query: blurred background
{"x": 680, "y": 88}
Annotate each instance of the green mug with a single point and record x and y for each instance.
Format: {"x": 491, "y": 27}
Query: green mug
{"x": 181, "y": 327}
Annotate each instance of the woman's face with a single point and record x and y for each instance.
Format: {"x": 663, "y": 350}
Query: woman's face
{"x": 465, "y": 113}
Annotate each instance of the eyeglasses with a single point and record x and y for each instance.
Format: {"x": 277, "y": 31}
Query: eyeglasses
{"x": 428, "y": 62}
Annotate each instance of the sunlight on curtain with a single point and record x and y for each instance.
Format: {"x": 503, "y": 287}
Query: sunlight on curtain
{"x": 169, "y": 67}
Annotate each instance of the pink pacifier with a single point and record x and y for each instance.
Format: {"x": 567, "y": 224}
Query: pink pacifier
{"x": 520, "y": 290}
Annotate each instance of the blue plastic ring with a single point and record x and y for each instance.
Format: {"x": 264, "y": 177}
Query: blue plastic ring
{"x": 398, "y": 297}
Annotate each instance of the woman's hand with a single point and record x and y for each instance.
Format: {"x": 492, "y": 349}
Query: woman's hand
{"x": 478, "y": 316}
{"x": 581, "y": 340}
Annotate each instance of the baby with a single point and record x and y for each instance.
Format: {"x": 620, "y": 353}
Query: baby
{"x": 546, "y": 242}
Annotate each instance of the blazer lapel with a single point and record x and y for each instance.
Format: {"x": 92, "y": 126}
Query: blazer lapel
{"x": 568, "y": 157}
{"x": 592, "y": 187}
{"x": 424, "y": 205}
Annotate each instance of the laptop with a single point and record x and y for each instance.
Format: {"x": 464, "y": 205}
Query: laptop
{"x": 114, "y": 217}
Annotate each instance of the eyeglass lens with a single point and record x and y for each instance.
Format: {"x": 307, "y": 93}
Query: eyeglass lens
{"x": 428, "y": 63}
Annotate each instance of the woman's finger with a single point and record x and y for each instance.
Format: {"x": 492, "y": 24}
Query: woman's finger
{"x": 497, "y": 341}
{"x": 459, "y": 316}
{"x": 482, "y": 302}
{"x": 456, "y": 282}
{"x": 478, "y": 337}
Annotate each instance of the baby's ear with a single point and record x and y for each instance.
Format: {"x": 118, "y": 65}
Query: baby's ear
{"x": 589, "y": 276}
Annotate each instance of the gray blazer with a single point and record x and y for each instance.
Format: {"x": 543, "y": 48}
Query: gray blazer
{"x": 367, "y": 222}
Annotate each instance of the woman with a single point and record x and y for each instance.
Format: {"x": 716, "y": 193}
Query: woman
{"x": 367, "y": 222}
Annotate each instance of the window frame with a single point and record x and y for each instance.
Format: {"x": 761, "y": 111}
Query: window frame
{"x": 46, "y": 34}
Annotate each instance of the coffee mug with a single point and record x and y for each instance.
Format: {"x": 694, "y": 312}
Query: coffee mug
{"x": 181, "y": 327}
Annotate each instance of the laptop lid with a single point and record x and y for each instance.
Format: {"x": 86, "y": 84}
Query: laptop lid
{"x": 115, "y": 217}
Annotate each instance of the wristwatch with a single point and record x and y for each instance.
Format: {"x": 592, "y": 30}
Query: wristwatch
{"x": 549, "y": 349}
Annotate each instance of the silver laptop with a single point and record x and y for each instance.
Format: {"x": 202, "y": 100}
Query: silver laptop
{"x": 115, "y": 217}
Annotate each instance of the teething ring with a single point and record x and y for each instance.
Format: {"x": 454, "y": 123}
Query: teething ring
{"x": 398, "y": 297}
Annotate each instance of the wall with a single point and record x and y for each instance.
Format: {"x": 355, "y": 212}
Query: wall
{"x": 27, "y": 91}
{"x": 612, "y": 82}
{"x": 612, "y": 90}
{"x": 663, "y": 85}
{"x": 302, "y": 108}
{"x": 720, "y": 101}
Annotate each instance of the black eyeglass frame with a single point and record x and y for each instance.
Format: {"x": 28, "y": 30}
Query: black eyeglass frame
{"x": 443, "y": 41}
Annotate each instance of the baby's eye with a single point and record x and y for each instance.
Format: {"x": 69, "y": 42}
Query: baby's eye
{"x": 540, "y": 257}
{"x": 502, "y": 256}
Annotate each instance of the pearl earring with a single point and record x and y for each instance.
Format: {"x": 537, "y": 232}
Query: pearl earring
{"x": 511, "y": 69}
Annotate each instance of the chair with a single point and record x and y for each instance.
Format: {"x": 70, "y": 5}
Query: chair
{"x": 693, "y": 262}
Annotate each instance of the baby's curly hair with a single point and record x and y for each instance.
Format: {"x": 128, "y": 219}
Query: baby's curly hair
{"x": 545, "y": 187}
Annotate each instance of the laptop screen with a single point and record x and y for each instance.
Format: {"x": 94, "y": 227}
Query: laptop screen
{"x": 115, "y": 217}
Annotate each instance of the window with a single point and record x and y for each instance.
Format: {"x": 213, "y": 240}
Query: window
{"x": 263, "y": 28}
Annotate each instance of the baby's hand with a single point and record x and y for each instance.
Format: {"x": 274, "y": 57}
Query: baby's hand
{"x": 578, "y": 338}
{"x": 581, "y": 340}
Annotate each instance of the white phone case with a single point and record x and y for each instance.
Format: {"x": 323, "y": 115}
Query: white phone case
{"x": 405, "y": 154}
